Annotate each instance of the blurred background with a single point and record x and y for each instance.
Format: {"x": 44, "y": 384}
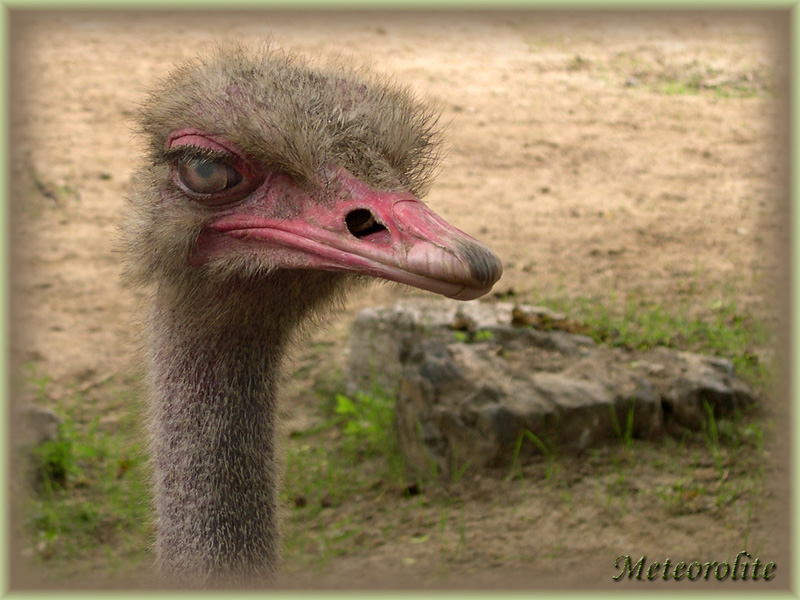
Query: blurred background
{"x": 631, "y": 172}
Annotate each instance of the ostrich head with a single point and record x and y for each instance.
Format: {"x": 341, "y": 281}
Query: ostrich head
{"x": 260, "y": 164}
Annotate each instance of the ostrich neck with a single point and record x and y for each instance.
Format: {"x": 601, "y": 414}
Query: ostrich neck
{"x": 215, "y": 353}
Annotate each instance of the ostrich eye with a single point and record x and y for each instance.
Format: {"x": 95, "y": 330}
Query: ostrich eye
{"x": 207, "y": 176}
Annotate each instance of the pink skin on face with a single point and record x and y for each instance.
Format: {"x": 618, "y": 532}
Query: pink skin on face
{"x": 392, "y": 235}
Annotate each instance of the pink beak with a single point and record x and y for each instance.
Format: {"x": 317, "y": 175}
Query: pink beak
{"x": 392, "y": 235}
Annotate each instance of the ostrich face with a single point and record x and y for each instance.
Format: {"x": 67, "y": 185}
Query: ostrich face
{"x": 340, "y": 224}
{"x": 264, "y": 165}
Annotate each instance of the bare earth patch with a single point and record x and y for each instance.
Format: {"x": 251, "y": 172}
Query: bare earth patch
{"x": 603, "y": 156}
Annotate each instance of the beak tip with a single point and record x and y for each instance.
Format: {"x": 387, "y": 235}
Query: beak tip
{"x": 485, "y": 268}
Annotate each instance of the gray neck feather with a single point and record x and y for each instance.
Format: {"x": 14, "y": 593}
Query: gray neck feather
{"x": 215, "y": 353}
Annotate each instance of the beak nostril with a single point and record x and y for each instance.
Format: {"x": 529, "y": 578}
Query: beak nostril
{"x": 362, "y": 223}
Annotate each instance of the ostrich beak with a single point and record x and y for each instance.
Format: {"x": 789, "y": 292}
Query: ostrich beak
{"x": 391, "y": 235}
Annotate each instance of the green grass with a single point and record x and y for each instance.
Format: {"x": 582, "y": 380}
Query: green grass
{"x": 724, "y": 330}
{"x": 625, "y": 436}
{"x": 352, "y": 453}
{"x": 728, "y": 470}
{"x": 322, "y": 462}
{"x": 688, "y": 78}
{"x": 544, "y": 447}
{"x": 471, "y": 337}
{"x": 92, "y": 491}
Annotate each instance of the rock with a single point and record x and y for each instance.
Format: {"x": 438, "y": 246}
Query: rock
{"x": 33, "y": 427}
{"x": 381, "y": 338}
{"x": 700, "y": 384}
{"x": 478, "y": 383}
{"x": 39, "y": 425}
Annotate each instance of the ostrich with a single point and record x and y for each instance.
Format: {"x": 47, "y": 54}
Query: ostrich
{"x": 271, "y": 186}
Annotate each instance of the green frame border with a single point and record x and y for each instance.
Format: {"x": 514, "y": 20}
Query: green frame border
{"x": 791, "y": 7}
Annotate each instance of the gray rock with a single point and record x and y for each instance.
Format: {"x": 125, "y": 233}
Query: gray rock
{"x": 38, "y": 425}
{"x": 477, "y": 382}
{"x": 33, "y": 426}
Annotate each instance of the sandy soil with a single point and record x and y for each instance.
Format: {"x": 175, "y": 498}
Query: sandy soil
{"x": 598, "y": 155}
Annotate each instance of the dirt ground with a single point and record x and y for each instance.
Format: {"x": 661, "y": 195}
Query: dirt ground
{"x": 599, "y": 155}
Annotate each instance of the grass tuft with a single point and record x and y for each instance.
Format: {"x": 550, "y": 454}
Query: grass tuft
{"x": 725, "y": 331}
{"x": 91, "y": 496}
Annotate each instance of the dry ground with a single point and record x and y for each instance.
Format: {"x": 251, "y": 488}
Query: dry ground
{"x": 600, "y": 155}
